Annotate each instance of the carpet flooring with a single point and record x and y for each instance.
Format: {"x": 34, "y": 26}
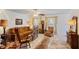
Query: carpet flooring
{"x": 43, "y": 42}
{"x": 52, "y": 43}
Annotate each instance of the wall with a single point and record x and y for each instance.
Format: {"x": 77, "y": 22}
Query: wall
{"x": 11, "y": 16}
{"x": 62, "y": 25}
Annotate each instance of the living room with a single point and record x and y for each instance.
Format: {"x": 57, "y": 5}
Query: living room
{"x": 47, "y": 28}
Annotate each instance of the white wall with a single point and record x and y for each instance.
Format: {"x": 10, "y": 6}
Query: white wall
{"x": 11, "y": 16}
{"x": 62, "y": 25}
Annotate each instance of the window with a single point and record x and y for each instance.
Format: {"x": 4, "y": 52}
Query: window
{"x": 52, "y": 22}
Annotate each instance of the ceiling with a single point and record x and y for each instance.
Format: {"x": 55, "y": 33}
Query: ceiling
{"x": 41, "y": 11}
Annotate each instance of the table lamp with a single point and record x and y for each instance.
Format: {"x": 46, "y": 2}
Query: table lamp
{"x": 73, "y": 22}
{"x": 3, "y": 23}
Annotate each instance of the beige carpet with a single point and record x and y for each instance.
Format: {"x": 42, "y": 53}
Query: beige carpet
{"x": 44, "y": 43}
{"x": 52, "y": 43}
{"x": 56, "y": 43}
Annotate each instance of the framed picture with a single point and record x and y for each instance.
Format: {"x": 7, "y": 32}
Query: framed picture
{"x": 18, "y": 21}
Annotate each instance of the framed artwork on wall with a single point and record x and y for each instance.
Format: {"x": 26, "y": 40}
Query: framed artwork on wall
{"x": 18, "y": 21}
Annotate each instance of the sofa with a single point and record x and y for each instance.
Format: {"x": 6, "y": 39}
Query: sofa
{"x": 21, "y": 33}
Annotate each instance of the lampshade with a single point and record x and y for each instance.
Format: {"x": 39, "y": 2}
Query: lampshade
{"x": 72, "y": 22}
{"x": 3, "y": 22}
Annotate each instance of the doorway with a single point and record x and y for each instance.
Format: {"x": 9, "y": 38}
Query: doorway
{"x": 52, "y": 22}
